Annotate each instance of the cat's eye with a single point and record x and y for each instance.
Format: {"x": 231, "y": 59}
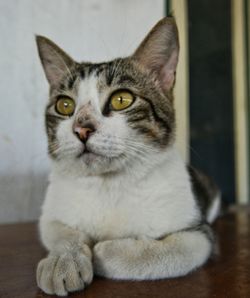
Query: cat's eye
{"x": 121, "y": 100}
{"x": 65, "y": 106}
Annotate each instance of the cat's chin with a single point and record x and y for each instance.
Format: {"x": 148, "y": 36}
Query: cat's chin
{"x": 90, "y": 157}
{"x": 97, "y": 164}
{"x": 87, "y": 162}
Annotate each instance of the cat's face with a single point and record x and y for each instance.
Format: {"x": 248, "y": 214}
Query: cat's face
{"x": 108, "y": 117}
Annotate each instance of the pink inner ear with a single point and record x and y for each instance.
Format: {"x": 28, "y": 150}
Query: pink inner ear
{"x": 167, "y": 75}
{"x": 167, "y": 79}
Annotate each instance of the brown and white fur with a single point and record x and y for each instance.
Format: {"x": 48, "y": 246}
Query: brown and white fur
{"x": 123, "y": 204}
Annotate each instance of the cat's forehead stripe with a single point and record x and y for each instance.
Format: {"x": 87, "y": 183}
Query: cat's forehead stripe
{"x": 71, "y": 81}
{"x": 112, "y": 70}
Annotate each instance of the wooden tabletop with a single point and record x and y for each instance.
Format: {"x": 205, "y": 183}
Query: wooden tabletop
{"x": 226, "y": 275}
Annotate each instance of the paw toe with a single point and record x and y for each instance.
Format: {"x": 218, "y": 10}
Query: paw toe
{"x": 62, "y": 274}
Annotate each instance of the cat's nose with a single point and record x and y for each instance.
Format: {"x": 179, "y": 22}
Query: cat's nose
{"x": 83, "y": 131}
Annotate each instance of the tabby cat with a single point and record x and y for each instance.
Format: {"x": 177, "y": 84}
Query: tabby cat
{"x": 121, "y": 203}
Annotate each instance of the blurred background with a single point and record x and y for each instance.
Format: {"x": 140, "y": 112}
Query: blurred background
{"x": 212, "y": 91}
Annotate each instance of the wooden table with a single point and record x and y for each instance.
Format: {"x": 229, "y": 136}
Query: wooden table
{"x": 226, "y": 275}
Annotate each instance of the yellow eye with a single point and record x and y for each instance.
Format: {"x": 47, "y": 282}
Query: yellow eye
{"x": 121, "y": 100}
{"x": 65, "y": 106}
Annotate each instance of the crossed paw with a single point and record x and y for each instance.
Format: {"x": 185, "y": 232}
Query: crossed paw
{"x": 63, "y": 273}
{"x": 72, "y": 270}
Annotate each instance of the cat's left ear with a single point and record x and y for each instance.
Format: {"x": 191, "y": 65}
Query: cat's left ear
{"x": 159, "y": 52}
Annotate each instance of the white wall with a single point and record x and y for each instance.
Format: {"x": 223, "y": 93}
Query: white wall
{"x": 92, "y": 30}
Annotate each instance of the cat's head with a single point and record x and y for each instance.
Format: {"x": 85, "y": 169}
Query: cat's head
{"x": 112, "y": 116}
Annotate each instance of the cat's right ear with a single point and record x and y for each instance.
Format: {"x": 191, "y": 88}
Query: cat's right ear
{"x": 55, "y": 61}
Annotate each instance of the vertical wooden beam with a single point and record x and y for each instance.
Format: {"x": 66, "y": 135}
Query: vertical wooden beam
{"x": 240, "y": 101}
{"x": 179, "y": 9}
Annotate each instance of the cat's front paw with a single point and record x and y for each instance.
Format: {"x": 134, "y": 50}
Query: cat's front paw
{"x": 112, "y": 258}
{"x": 103, "y": 257}
{"x": 63, "y": 273}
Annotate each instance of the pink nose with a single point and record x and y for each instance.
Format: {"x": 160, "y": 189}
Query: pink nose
{"x": 83, "y": 132}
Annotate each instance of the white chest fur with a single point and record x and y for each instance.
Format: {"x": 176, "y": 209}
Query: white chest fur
{"x": 117, "y": 207}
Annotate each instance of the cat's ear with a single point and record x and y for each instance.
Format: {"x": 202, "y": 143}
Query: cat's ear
{"x": 55, "y": 61}
{"x": 159, "y": 52}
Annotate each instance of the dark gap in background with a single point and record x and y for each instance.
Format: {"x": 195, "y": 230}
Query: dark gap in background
{"x": 211, "y": 95}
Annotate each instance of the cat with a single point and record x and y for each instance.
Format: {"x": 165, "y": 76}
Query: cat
{"x": 121, "y": 203}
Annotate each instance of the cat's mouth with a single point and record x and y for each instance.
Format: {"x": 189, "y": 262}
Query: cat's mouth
{"x": 86, "y": 151}
{"x": 89, "y": 155}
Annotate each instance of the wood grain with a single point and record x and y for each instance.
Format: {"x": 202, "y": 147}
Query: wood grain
{"x": 227, "y": 274}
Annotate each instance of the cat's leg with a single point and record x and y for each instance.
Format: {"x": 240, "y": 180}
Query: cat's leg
{"x": 175, "y": 255}
{"x": 68, "y": 266}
